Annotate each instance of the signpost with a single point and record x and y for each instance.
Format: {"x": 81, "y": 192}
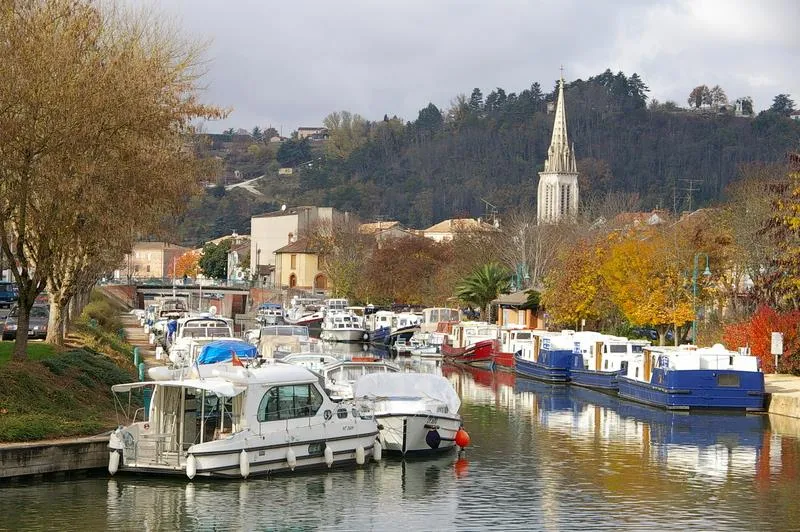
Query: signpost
{"x": 777, "y": 347}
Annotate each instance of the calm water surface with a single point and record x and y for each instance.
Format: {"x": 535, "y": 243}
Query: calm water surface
{"x": 542, "y": 458}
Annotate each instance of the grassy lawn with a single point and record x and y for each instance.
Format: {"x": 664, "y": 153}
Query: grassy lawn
{"x": 36, "y": 351}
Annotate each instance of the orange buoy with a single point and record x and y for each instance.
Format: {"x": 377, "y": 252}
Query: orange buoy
{"x": 462, "y": 438}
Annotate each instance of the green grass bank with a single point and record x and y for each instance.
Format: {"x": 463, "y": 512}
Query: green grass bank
{"x": 64, "y": 392}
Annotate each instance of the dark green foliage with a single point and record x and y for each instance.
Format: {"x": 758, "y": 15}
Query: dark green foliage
{"x": 782, "y": 105}
{"x": 214, "y": 261}
{"x": 294, "y": 152}
{"x": 428, "y": 170}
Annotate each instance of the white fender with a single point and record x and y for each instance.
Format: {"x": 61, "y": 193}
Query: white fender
{"x": 365, "y": 336}
{"x": 159, "y": 352}
{"x": 244, "y": 464}
{"x": 113, "y": 462}
{"x": 191, "y": 466}
{"x": 328, "y": 456}
{"x": 291, "y": 459}
{"x": 152, "y": 339}
{"x": 377, "y": 451}
{"x": 360, "y": 455}
{"x": 146, "y": 328}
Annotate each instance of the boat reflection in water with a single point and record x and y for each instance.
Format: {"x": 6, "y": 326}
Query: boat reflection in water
{"x": 417, "y": 493}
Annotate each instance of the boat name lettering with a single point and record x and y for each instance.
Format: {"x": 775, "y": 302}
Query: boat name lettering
{"x": 348, "y": 427}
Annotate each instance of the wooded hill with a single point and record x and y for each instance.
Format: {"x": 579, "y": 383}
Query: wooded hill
{"x": 445, "y": 162}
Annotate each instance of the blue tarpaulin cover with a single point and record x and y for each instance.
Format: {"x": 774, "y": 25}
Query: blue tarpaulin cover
{"x": 222, "y": 351}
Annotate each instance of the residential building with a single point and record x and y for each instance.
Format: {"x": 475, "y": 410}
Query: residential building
{"x": 384, "y": 231}
{"x": 150, "y": 260}
{"x": 297, "y": 266}
{"x": 446, "y": 230}
{"x": 795, "y": 115}
{"x": 557, "y": 196}
{"x": 274, "y": 230}
{"x": 312, "y": 133}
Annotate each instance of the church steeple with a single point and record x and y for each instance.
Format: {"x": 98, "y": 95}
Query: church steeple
{"x": 560, "y": 156}
{"x": 557, "y": 197}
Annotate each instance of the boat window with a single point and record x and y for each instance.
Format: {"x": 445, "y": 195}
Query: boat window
{"x": 289, "y": 402}
{"x": 637, "y": 372}
{"x": 618, "y": 348}
{"x": 728, "y": 380}
{"x": 341, "y": 413}
{"x": 637, "y": 349}
{"x": 524, "y": 336}
{"x": 606, "y": 366}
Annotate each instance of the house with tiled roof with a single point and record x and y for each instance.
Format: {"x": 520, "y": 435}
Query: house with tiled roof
{"x": 446, "y": 230}
{"x": 297, "y": 266}
{"x": 273, "y": 230}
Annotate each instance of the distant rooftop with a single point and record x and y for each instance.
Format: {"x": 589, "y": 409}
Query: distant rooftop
{"x": 456, "y": 225}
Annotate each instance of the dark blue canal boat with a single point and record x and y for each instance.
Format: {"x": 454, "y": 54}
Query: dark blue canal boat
{"x": 686, "y": 378}
{"x": 550, "y": 362}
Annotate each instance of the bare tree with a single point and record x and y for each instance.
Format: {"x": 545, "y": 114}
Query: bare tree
{"x": 94, "y": 104}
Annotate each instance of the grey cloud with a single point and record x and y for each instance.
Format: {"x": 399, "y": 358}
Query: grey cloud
{"x": 292, "y": 63}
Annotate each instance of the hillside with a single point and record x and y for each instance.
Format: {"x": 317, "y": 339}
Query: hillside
{"x": 443, "y": 163}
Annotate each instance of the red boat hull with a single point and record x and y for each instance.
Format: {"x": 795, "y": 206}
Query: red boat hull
{"x": 478, "y": 354}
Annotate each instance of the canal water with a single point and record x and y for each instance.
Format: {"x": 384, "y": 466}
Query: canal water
{"x": 542, "y": 458}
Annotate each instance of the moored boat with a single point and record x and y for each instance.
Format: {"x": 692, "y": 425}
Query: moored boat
{"x": 688, "y": 377}
{"x": 344, "y": 326}
{"x": 242, "y": 422}
{"x": 470, "y": 342}
{"x": 416, "y": 412}
{"x": 598, "y": 359}
{"x": 549, "y": 360}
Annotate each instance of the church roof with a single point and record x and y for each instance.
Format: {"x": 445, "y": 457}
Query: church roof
{"x": 560, "y": 156}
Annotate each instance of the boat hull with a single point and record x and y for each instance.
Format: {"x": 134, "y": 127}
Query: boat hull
{"x": 344, "y": 335}
{"x": 263, "y": 458}
{"x": 696, "y": 389}
{"x": 417, "y": 433}
{"x": 597, "y": 380}
{"x": 478, "y": 354}
{"x": 543, "y": 372}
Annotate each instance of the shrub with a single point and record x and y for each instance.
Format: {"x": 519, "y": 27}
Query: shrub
{"x": 105, "y": 315}
{"x": 756, "y": 333}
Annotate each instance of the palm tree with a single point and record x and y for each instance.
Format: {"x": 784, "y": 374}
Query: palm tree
{"x": 483, "y": 285}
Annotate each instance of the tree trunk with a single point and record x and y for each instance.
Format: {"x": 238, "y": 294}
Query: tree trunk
{"x": 24, "y": 305}
{"x": 55, "y": 323}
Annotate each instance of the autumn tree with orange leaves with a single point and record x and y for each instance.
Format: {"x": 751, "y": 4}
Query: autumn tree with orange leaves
{"x": 574, "y": 289}
{"x": 647, "y": 282}
{"x": 187, "y": 265}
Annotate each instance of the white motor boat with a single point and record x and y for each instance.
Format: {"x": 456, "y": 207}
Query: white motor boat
{"x": 344, "y": 327}
{"x": 416, "y": 412}
{"x": 277, "y": 341}
{"x": 242, "y": 422}
{"x": 304, "y": 311}
{"x": 340, "y": 376}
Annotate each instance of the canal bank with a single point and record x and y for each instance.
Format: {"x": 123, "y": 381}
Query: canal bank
{"x": 782, "y": 395}
{"x": 53, "y": 456}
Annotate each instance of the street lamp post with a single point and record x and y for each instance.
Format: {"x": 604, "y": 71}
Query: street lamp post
{"x": 706, "y": 273}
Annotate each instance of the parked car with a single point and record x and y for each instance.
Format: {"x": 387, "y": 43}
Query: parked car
{"x": 8, "y": 294}
{"x": 37, "y": 324}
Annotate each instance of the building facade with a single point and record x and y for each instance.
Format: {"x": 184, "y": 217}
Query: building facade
{"x": 148, "y": 260}
{"x": 273, "y": 230}
{"x": 297, "y": 266}
{"x": 557, "y": 196}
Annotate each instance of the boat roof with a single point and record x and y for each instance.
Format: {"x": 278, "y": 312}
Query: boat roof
{"x": 407, "y": 386}
{"x": 218, "y": 386}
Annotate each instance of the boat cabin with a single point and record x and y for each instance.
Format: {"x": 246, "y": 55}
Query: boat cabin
{"x": 601, "y": 352}
{"x": 469, "y": 333}
{"x": 382, "y": 318}
{"x": 336, "y": 305}
{"x": 431, "y": 317}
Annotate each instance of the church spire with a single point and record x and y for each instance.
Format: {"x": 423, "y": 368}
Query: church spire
{"x": 560, "y": 157}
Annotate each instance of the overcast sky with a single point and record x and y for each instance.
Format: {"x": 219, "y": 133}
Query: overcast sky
{"x": 289, "y": 63}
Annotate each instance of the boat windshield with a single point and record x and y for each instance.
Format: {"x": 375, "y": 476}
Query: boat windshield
{"x": 284, "y": 330}
{"x": 205, "y": 332}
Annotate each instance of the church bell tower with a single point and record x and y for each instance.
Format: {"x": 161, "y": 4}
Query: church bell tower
{"x": 557, "y": 198}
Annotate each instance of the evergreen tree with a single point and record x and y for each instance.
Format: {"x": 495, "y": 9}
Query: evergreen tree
{"x": 782, "y": 104}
